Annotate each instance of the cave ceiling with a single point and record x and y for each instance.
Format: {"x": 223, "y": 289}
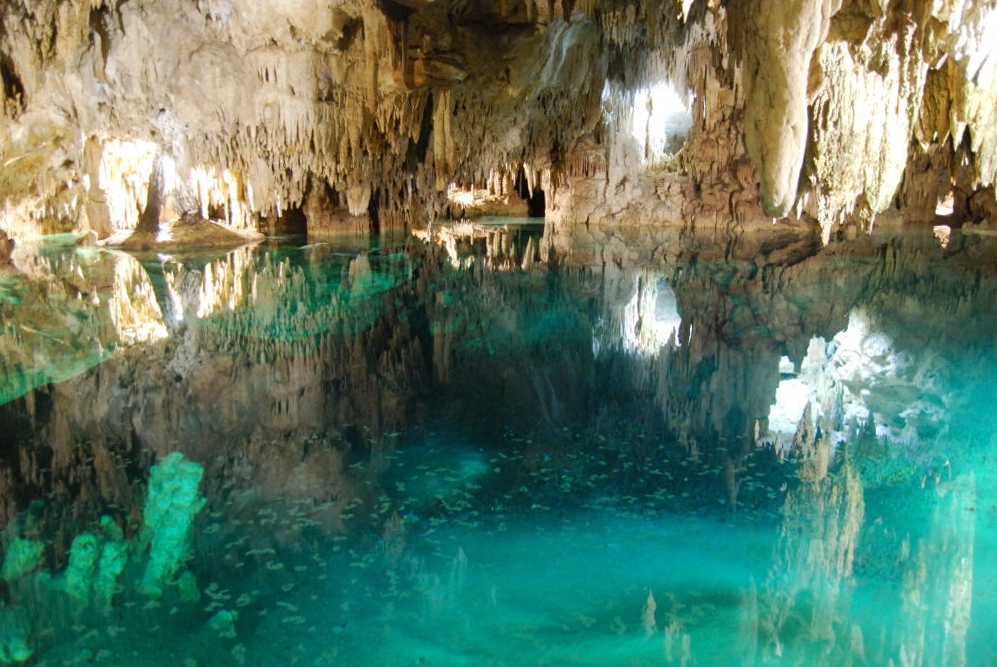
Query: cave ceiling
{"x": 831, "y": 115}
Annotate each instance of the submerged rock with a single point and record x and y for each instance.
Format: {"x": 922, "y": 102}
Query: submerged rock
{"x": 168, "y": 514}
{"x": 14, "y": 646}
{"x": 22, "y": 557}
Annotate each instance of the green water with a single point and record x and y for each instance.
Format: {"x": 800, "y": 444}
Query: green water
{"x": 411, "y": 460}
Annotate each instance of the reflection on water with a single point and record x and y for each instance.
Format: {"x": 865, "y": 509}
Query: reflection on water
{"x": 463, "y": 450}
{"x": 65, "y": 309}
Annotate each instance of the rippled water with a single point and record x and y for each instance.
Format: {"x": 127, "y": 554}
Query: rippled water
{"x": 460, "y": 450}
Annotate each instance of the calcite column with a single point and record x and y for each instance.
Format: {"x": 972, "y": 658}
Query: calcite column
{"x": 98, "y": 212}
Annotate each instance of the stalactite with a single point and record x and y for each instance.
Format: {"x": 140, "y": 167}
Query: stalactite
{"x": 389, "y": 111}
{"x": 776, "y": 43}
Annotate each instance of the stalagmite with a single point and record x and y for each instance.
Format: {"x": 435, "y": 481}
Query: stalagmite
{"x": 156, "y": 196}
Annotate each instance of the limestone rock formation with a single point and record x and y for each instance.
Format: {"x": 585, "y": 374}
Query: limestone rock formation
{"x": 776, "y": 42}
{"x": 368, "y": 112}
{"x": 6, "y": 248}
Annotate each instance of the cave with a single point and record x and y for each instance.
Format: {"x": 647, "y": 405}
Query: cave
{"x": 498, "y": 332}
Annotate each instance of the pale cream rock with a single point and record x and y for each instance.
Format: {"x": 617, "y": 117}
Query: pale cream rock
{"x": 777, "y": 40}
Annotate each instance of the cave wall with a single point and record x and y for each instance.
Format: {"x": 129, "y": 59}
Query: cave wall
{"x": 366, "y": 112}
{"x": 833, "y": 115}
{"x": 383, "y": 103}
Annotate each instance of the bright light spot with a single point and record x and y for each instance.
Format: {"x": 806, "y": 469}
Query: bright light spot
{"x": 650, "y": 318}
{"x": 857, "y": 375}
{"x": 791, "y": 400}
{"x": 942, "y": 233}
{"x": 169, "y": 173}
{"x": 124, "y": 178}
{"x": 666, "y": 314}
{"x": 977, "y": 47}
{"x": 219, "y": 193}
{"x": 686, "y": 6}
{"x": 203, "y": 183}
{"x": 177, "y": 303}
{"x": 661, "y": 119}
{"x": 863, "y": 356}
{"x": 463, "y": 241}
{"x": 463, "y": 197}
{"x": 946, "y": 205}
{"x": 134, "y": 310}
{"x": 136, "y": 153}
{"x": 165, "y": 234}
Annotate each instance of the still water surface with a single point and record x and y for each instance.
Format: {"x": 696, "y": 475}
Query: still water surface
{"x": 455, "y": 451}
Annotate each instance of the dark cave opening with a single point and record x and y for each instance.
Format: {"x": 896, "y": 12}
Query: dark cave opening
{"x": 289, "y": 221}
{"x": 536, "y": 201}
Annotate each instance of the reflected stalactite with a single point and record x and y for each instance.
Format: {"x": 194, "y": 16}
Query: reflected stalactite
{"x": 640, "y": 327}
{"x": 134, "y": 309}
{"x": 807, "y": 597}
{"x": 329, "y": 343}
{"x": 310, "y": 383}
{"x": 260, "y": 353}
{"x": 64, "y": 312}
{"x": 502, "y": 244}
{"x": 490, "y": 310}
{"x": 937, "y": 597}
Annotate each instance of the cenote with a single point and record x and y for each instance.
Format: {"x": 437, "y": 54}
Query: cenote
{"x": 468, "y": 448}
{"x": 479, "y": 333}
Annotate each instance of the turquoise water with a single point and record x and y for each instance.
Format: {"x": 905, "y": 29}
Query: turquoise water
{"x": 411, "y": 456}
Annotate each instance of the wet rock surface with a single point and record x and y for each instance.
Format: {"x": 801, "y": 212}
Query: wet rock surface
{"x": 365, "y": 115}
